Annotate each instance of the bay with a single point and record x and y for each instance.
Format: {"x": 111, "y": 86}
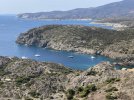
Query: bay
{"x": 11, "y": 27}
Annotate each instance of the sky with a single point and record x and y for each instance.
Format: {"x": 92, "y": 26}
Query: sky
{"x": 25, "y": 6}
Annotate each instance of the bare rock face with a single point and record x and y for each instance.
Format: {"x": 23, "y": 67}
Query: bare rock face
{"x": 97, "y": 74}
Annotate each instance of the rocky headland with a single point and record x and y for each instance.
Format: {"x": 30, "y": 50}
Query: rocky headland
{"x": 118, "y": 45}
{"x": 31, "y": 80}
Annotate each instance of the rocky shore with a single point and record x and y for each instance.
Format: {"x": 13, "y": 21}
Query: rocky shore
{"x": 83, "y": 39}
{"x": 31, "y": 80}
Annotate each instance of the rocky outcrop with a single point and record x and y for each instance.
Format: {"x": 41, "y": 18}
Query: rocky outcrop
{"x": 110, "y": 84}
{"x": 83, "y": 39}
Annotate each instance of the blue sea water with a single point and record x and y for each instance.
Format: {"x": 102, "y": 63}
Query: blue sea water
{"x": 11, "y": 27}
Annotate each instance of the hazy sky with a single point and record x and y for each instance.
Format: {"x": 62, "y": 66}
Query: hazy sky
{"x": 21, "y": 6}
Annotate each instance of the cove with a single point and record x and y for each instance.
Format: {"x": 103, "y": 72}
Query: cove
{"x": 11, "y": 27}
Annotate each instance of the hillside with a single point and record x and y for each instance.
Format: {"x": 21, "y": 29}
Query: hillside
{"x": 30, "y": 80}
{"x": 122, "y": 9}
{"x": 83, "y": 39}
{"x": 23, "y": 79}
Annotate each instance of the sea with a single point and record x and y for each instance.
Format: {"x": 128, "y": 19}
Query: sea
{"x": 11, "y": 26}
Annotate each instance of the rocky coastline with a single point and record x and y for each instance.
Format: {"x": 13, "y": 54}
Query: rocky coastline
{"x": 83, "y": 39}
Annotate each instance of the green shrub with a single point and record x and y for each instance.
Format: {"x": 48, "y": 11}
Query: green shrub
{"x": 80, "y": 89}
{"x": 69, "y": 97}
{"x": 77, "y": 74}
{"x": 34, "y": 94}
{"x": 3, "y": 72}
{"x": 109, "y": 96}
{"x": 112, "y": 80}
{"x": 87, "y": 90}
{"x": 22, "y": 80}
{"x": 91, "y": 87}
{"x": 70, "y": 94}
{"x": 83, "y": 94}
{"x": 1, "y": 83}
{"x": 92, "y": 73}
{"x": 28, "y": 99}
{"x": 75, "y": 99}
{"x": 29, "y": 83}
{"x": 71, "y": 91}
{"x": 111, "y": 89}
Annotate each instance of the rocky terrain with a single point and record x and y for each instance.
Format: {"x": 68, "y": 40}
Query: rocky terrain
{"x": 30, "y": 80}
{"x": 104, "y": 83}
{"x": 27, "y": 80}
{"x": 83, "y": 39}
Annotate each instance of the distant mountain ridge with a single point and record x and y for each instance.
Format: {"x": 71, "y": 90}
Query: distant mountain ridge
{"x": 123, "y": 9}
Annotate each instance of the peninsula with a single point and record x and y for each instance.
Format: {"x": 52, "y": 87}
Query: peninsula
{"x": 118, "y": 45}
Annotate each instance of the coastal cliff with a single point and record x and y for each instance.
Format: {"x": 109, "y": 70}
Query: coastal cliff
{"x": 31, "y": 80}
{"x": 83, "y": 39}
